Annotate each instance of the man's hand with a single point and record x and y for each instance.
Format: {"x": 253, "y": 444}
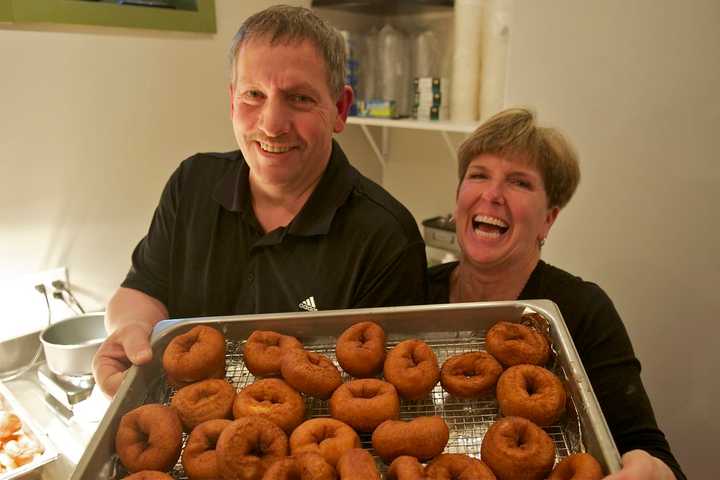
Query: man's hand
{"x": 640, "y": 465}
{"x": 128, "y": 345}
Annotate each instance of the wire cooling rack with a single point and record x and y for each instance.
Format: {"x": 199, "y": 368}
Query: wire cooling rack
{"x": 468, "y": 420}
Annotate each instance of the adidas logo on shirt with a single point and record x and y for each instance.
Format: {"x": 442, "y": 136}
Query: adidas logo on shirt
{"x": 308, "y": 305}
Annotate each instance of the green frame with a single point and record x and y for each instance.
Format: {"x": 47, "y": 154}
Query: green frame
{"x": 80, "y": 12}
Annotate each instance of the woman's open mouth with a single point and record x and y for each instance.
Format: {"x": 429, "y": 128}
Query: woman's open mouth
{"x": 486, "y": 226}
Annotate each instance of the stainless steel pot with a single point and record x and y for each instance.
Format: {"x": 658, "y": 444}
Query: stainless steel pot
{"x": 71, "y": 343}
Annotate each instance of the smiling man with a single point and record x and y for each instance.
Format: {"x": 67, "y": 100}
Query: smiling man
{"x": 285, "y": 223}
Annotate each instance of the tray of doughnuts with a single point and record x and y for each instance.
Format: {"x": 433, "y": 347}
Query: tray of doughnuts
{"x": 23, "y": 447}
{"x": 401, "y": 391}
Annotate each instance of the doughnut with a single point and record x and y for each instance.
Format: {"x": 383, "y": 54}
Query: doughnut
{"x": 514, "y": 343}
{"x": 273, "y": 399}
{"x": 148, "y": 475}
{"x": 303, "y": 466}
{"x": 365, "y": 403}
{"x": 421, "y": 437}
{"x": 470, "y": 375}
{"x": 248, "y": 447}
{"x": 514, "y": 448}
{"x": 199, "y": 458}
{"x": 326, "y": 436}
{"x": 205, "y": 400}
{"x": 311, "y": 373}
{"x": 360, "y": 350}
{"x": 413, "y": 368}
{"x": 406, "y": 468}
{"x": 264, "y": 350}
{"x": 445, "y": 466}
{"x": 195, "y": 355}
{"x": 578, "y": 466}
{"x": 357, "y": 464}
{"x": 149, "y": 438}
{"x": 531, "y": 392}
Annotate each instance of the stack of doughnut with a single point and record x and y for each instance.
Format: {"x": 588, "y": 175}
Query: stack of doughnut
{"x": 261, "y": 432}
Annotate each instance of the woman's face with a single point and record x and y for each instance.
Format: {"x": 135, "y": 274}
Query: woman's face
{"x": 502, "y": 212}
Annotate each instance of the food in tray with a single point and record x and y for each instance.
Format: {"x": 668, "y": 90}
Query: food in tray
{"x": 149, "y": 438}
{"x": 531, "y": 392}
{"x": 204, "y": 400}
{"x": 577, "y": 465}
{"x": 270, "y": 413}
{"x": 514, "y": 343}
{"x": 360, "y": 350}
{"x": 515, "y": 448}
{"x": 148, "y": 475}
{"x": 263, "y": 352}
{"x": 412, "y": 367}
{"x": 365, "y": 403}
{"x": 422, "y": 437}
{"x": 273, "y": 399}
{"x": 446, "y": 465}
{"x": 306, "y": 465}
{"x": 248, "y": 446}
{"x": 470, "y": 375}
{"x": 312, "y": 373}
{"x": 199, "y": 458}
{"x": 329, "y": 437}
{"x": 357, "y": 464}
{"x": 196, "y": 355}
{"x": 17, "y": 448}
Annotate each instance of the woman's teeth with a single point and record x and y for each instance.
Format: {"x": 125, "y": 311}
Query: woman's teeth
{"x": 273, "y": 148}
{"x": 490, "y": 227}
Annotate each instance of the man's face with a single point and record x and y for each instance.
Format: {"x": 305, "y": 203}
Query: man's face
{"x": 283, "y": 113}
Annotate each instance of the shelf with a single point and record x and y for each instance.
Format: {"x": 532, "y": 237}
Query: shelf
{"x": 381, "y": 152}
{"x": 80, "y": 12}
{"x": 384, "y": 7}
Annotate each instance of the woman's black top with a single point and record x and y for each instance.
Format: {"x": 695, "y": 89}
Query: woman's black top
{"x": 605, "y": 350}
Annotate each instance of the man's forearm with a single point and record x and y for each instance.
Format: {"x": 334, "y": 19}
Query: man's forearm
{"x": 133, "y": 306}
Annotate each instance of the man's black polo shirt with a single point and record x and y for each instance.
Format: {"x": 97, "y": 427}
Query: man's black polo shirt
{"x": 352, "y": 245}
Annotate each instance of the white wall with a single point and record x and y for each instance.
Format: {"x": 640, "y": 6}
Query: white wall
{"x": 93, "y": 122}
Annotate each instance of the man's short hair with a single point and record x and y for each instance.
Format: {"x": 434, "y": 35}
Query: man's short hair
{"x": 514, "y": 135}
{"x": 288, "y": 24}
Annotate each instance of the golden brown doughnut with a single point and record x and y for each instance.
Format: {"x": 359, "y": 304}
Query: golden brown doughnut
{"x": 470, "y": 375}
{"x": 515, "y": 448}
{"x": 148, "y": 475}
{"x": 263, "y": 352}
{"x": 406, "y": 468}
{"x": 326, "y": 436}
{"x": 413, "y": 368}
{"x": 273, "y": 399}
{"x": 531, "y": 392}
{"x": 248, "y": 447}
{"x": 421, "y": 437}
{"x": 195, "y": 355}
{"x": 445, "y": 466}
{"x": 360, "y": 350}
{"x": 202, "y": 401}
{"x": 578, "y": 466}
{"x": 199, "y": 458}
{"x": 514, "y": 343}
{"x": 302, "y": 466}
{"x": 311, "y": 373}
{"x": 357, "y": 464}
{"x": 365, "y": 403}
{"x": 149, "y": 438}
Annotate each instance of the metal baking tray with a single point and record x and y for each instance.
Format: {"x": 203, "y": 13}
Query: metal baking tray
{"x": 30, "y": 429}
{"x": 449, "y": 329}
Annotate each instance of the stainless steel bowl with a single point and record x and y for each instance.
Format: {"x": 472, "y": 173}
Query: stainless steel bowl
{"x": 71, "y": 343}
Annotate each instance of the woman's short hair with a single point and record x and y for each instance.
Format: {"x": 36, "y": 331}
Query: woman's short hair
{"x": 514, "y": 135}
{"x": 283, "y": 23}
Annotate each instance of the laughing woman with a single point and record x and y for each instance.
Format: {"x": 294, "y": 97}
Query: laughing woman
{"x": 515, "y": 177}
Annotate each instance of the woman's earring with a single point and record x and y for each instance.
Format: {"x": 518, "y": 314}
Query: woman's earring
{"x": 541, "y": 242}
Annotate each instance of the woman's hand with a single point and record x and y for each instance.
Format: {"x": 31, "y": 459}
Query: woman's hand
{"x": 640, "y": 465}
